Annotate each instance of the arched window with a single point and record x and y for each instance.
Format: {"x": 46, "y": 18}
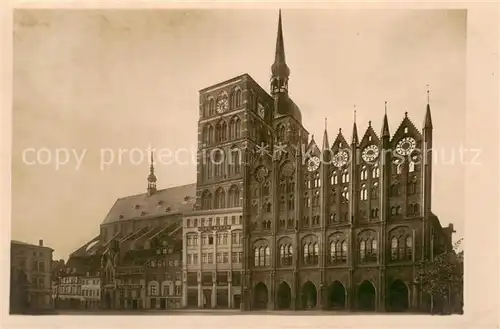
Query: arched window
{"x": 375, "y": 172}
{"x": 345, "y": 194}
{"x": 235, "y": 162}
{"x": 206, "y": 200}
{"x": 204, "y": 135}
{"x": 286, "y": 254}
{"x": 399, "y": 168}
{"x": 306, "y": 252}
{"x": 238, "y": 98}
{"x": 218, "y": 132}
{"x": 262, "y": 258}
{"x": 210, "y": 134}
{"x": 291, "y": 202}
{"x": 416, "y": 209}
{"x": 363, "y": 193}
{"x": 333, "y": 250}
{"x": 363, "y": 173}
{"x": 394, "y": 248}
{"x": 409, "y": 248}
{"x": 345, "y": 177}
{"x": 281, "y": 133}
{"x": 218, "y": 163}
{"x": 344, "y": 251}
{"x": 411, "y": 166}
{"x": 234, "y": 196}
{"x": 220, "y": 198}
{"x": 223, "y": 133}
{"x": 211, "y": 107}
{"x": 267, "y": 256}
{"x": 375, "y": 190}
{"x": 362, "y": 250}
{"x": 256, "y": 256}
{"x": 237, "y": 128}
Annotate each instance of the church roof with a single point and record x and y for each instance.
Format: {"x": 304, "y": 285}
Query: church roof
{"x": 178, "y": 199}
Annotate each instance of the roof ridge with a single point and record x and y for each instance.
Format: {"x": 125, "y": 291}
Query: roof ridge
{"x": 158, "y": 191}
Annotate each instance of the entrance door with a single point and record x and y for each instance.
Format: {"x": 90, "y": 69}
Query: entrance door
{"x": 207, "y": 298}
{"x": 163, "y": 303}
{"x": 366, "y": 296}
{"x": 284, "y": 296}
{"x": 336, "y": 296}
{"x": 398, "y": 297}
{"x": 152, "y": 303}
{"x": 260, "y": 296}
{"x": 134, "y": 304}
{"x": 237, "y": 301}
{"x": 309, "y": 295}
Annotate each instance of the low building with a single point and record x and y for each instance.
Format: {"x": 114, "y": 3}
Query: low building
{"x": 30, "y": 286}
{"x": 91, "y": 289}
{"x": 213, "y": 254}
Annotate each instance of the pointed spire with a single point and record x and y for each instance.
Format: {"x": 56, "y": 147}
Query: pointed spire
{"x": 279, "y": 69}
{"x": 355, "y": 129}
{"x": 325, "y": 139}
{"x": 428, "y": 119}
{"x": 385, "y": 125}
{"x": 151, "y": 177}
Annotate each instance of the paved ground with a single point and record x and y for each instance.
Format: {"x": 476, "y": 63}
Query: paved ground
{"x": 210, "y": 312}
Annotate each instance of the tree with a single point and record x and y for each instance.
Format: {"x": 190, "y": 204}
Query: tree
{"x": 442, "y": 279}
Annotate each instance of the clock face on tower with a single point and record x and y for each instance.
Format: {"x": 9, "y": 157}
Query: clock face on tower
{"x": 313, "y": 163}
{"x": 370, "y": 153}
{"x": 406, "y": 145}
{"x": 340, "y": 159}
{"x": 222, "y": 104}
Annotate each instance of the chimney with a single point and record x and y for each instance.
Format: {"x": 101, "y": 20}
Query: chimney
{"x": 40, "y": 243}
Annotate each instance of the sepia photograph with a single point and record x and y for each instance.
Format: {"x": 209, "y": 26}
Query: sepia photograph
{"x": 219, "y": 161}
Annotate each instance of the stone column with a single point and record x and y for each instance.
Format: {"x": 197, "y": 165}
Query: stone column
{"x": 214, "y": 289}
{"x": 200, "y": 291}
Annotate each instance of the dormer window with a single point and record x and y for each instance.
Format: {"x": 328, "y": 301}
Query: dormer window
{"x": 406, "y": 130}
{"x": 137, "y": 206}
{"x": 143, "y": 213}
{"x": 168, "y": 209}
{"x": 187, "y": 198}
{"x": 160, "y": 202}
{"x": 369, "y": 138}
{"x": 121, "y": 216}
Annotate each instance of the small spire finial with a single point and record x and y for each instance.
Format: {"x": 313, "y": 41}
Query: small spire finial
{"x": 340, "y": 130}
{"x": 325, "y": 122}
{"x": 354, "y": 112}
{"x": 428, "y": 94}
{"x": 385, "y": 106}
{"x": 370, "y": 123}
{"x": 406, "y": 114}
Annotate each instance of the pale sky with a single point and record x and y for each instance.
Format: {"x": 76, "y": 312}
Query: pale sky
{"x": 93, "y": 80}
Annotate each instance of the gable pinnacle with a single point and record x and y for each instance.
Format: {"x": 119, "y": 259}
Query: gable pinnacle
{"x": 325, "y": 139}
{"x": 385, "y": 125}
{"x": 354, "y": 129}
{"x": 428, "y": 118}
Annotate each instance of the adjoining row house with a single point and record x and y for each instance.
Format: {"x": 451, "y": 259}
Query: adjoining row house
{"x": 76, "y": 285}
{"x": 30, "y": 277}
{"x": 140, "y": 249}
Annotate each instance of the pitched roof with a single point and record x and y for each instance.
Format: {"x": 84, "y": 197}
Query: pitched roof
{"x": 178, "y": 199}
